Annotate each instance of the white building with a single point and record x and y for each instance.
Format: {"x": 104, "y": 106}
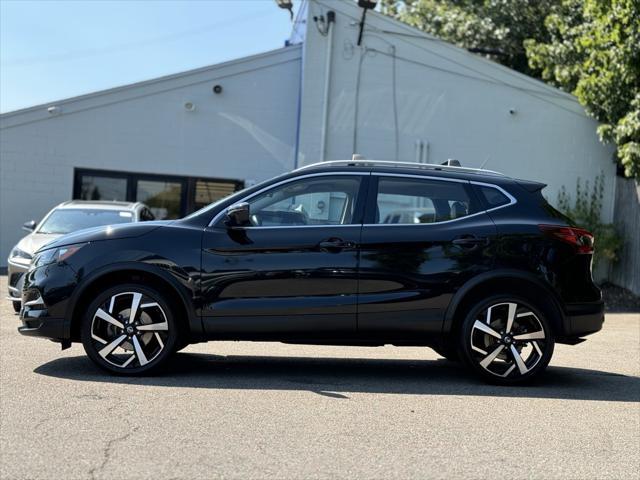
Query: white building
{"x": 181, "y": 141}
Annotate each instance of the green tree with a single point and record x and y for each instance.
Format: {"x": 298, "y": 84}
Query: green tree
{"x": 585, "y": 209}
{"x": 594, "y": 52}
{"x": 587, "y": 47}
{"x": 496, "y": 29}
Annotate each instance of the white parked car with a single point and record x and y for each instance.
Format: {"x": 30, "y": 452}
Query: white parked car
{"x": 65, "y": 218}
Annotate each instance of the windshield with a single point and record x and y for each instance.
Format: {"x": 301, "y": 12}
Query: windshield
{"x": 67, "y": 220}
{"x": 214, "y": 204}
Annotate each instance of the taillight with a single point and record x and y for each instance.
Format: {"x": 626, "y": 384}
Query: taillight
{"x": 578, "y": 237}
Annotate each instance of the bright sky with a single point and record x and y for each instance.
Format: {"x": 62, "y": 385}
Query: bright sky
{"x": 50, "y": 50}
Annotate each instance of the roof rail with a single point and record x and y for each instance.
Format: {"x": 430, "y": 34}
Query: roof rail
{"x": 389, "y": 163}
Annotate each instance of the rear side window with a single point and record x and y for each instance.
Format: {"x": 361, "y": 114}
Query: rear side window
{"x": 493, "y": 197}
{"x": 415, "y": 201}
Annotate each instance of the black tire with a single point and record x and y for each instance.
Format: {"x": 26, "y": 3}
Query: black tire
{"x": 181, "y": 345}
{"x": 17, "y": 306}
{"x": 448, "y": 351}
{"x": 494, "y": 357}
{"x": 149, "y": 350}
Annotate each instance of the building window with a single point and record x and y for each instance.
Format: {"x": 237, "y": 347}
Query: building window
{"x": 166, "y": 196}
{"x": 103, "y": 188}
{"x": 163, "y": 198}
{"x": 208, "y": 191}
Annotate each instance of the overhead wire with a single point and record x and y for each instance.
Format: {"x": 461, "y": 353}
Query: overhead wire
{"x": 370, "y": 28}
{"x": 89, "y": 52}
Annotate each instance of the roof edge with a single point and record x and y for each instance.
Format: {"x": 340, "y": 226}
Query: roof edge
{"x": 151, "y": 81}
{"x": 416, "y": 32}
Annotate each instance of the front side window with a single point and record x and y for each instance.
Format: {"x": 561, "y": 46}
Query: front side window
{"x": 411, "y": 201}
{"x": 326, "y": 200}
{"x": 67, "y": 220}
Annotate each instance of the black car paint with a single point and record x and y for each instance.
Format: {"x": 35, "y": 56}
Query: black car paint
{"x": 384, "y": 284}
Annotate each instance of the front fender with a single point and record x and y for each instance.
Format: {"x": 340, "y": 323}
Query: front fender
{"x": 179, "y": 280}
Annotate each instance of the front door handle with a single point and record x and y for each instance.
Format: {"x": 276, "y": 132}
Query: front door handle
{"x": 335, "y": 244}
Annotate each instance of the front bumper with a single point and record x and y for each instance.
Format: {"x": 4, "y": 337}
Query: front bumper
{"x": 584, "y": 318}
{"x": 45, "y": 296}
{"x": 36, "y": 319}
{"x": 15, "y": 276}
{"x": 51, "y": 328}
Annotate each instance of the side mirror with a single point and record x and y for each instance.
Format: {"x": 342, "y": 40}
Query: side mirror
{"x": 29, "y": 226}
{"x": 238, "y": 215}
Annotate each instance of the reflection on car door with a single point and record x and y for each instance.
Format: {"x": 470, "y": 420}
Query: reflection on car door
{"x": 295, "y": 268}
{"x": 409, "y": 272}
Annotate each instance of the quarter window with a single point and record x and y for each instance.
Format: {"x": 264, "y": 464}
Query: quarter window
{"x": 493, "y": 197}
{"x": 415, "y": 201}
{"x": 326, "y": 200}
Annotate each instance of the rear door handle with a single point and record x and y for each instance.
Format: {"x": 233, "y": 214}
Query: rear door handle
{"x": 470, "y": 241}
{"x": 335, "y": 244}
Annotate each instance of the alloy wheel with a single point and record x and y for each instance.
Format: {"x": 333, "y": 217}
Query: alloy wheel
{"x": 508, "y": 340}
{"x": 129, "y": 330}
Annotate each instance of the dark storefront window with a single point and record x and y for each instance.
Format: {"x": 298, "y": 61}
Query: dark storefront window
{"x": 163, "y": 198}
{"x": 208, "y": 191}
{"x": 103, "y": 188}
{"x": 167, "y": 196}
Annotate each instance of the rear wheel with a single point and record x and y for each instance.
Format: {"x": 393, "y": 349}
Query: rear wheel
{"x": 506, "y": 340}
{"x": 16, "y": 306}
{"x": 129, "y": 330}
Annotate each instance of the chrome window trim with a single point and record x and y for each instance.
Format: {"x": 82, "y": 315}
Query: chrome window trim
{"x": 422, "y": 177}
{"x": 512, "y": 200}
{"x": 283, "y": 182}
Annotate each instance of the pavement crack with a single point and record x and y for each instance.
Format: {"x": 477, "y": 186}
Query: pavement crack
{"x": 107, "y": 451}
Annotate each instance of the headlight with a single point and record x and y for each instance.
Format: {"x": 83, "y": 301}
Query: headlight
{"x": 17, "y": 253}
{"x": 55, "y": 255}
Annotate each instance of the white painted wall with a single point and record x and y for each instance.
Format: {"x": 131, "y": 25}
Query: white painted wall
{"x": 246, "y": 133}
{"x": 455, "y": 101}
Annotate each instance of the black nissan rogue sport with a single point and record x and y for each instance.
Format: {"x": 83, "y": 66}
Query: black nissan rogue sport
{"x": 472, "y": 263}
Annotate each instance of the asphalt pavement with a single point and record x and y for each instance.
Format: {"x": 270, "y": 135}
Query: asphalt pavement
{"x": 269, "y": 410}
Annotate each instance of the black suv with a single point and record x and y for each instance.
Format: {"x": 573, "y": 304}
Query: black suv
{"x": 470, "y": 262}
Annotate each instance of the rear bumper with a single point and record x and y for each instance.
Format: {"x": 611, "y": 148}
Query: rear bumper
{"x": 584, "y": 318}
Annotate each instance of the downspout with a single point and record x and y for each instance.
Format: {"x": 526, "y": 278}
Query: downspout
{"x": 296, "y": 149}
{"x": 331, "y": 18}
{"x": 302, "y": 11}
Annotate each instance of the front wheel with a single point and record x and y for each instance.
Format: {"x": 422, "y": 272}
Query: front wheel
{"x": 129, "y": 330}
{"x": 506, "y": 340}
{"x": 17, "y": 306}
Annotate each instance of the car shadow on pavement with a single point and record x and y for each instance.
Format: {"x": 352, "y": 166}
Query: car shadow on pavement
{"x": 338, "y": 377}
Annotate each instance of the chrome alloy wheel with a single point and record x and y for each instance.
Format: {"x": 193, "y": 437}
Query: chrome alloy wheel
{"x": 507, "y": 340}
{"x": 129, "y": 330}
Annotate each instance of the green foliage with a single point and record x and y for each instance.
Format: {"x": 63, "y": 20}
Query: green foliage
{"x": 494, "y": 28}
{"x": 594, "y": 52}
{"x": 585, "y": 210}
{"x": 587, "y": 47}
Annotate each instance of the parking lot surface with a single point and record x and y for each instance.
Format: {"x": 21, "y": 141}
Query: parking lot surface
{"x": 260, "y": 410}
